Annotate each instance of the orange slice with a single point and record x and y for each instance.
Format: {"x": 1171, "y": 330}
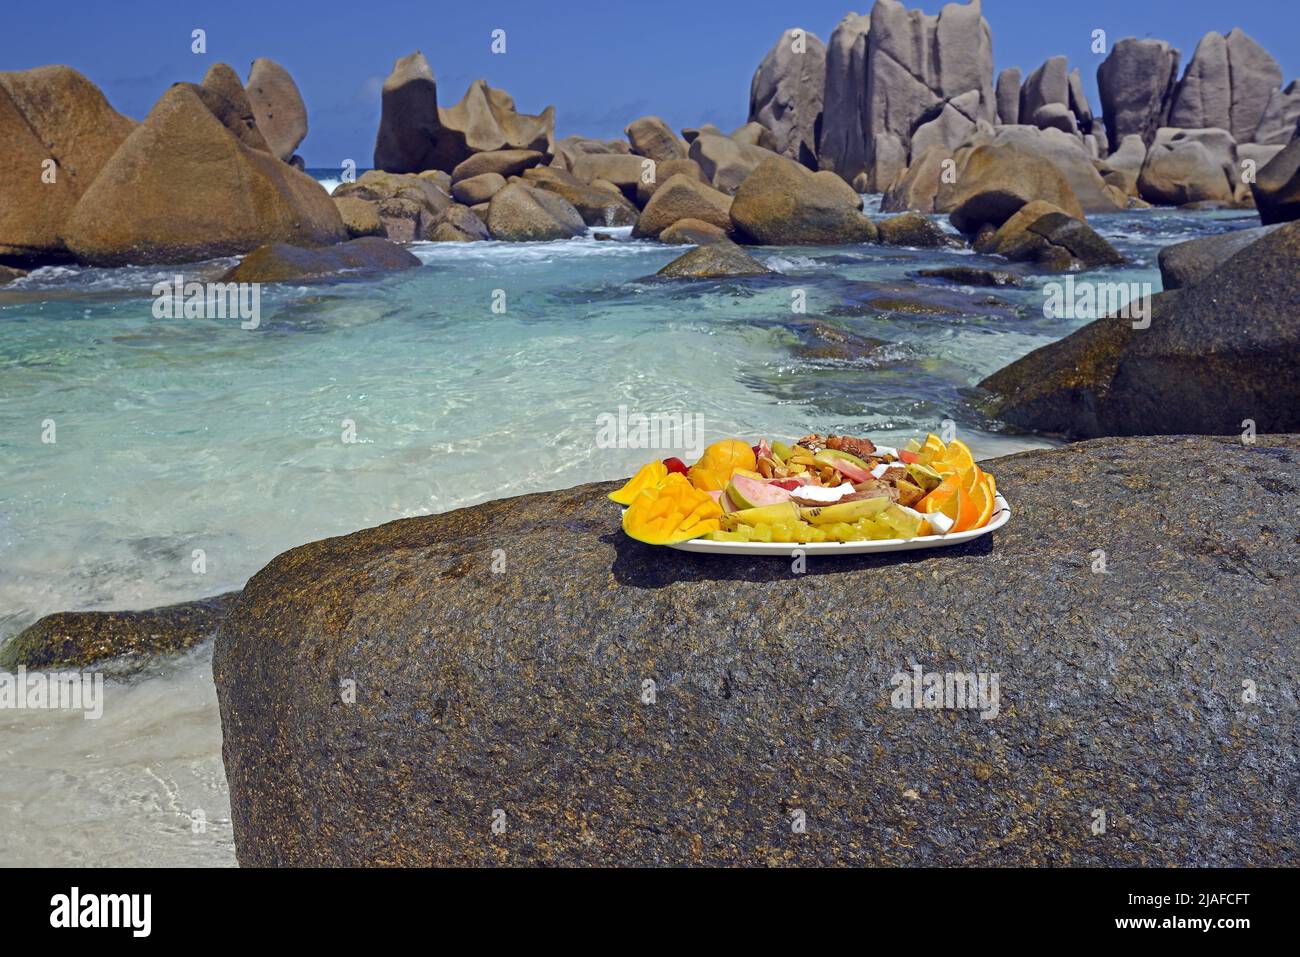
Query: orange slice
{"x": 940, "y": 496}
{"x": 959, "y": 456}
{"x": 982, "y": 499}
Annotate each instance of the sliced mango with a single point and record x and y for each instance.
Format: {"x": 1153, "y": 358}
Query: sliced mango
{"x": 673, "y": 511}
{"x": 648, "y": 476}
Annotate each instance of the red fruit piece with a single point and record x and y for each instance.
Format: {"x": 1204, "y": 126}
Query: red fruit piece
{"x": 675, "y": 465}
{"x": 907, "y": 457}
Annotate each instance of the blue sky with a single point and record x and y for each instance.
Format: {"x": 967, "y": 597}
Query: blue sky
{"x": 599, "y": 64}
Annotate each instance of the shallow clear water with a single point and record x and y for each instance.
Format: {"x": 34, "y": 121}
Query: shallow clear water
{"x": 191, "y": 434}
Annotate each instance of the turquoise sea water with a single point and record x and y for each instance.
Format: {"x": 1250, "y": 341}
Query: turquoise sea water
{"x": 180, "y": 436}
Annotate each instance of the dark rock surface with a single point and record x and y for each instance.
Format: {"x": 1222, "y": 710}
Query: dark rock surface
{"x": 714, "y": 261}
{"x": 911, "y": 229}
{"x": 1215, "y": 354}
{"x": 523, "y": 691}
{"x": 1277, "y": 188}
{"x": 972, "y": 276}
{"x": 79, "y": 639}
{"x": 280, "y": 262}
{"x": 1186, "y": 264}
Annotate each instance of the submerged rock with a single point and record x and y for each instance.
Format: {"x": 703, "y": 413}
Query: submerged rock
{"x": 714, "y": 261}
{"x": 280, "y": 262}
{"x": 80, "y": 639}
{"x": 972, "y": 276}
{"x": 1214, "y": 355}
{"x": 638, "y": 705}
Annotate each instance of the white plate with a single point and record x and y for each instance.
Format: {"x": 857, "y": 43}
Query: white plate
{"x": 1001, "y": 515}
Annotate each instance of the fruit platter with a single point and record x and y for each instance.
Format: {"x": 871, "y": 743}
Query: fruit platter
{"x": 819, "y": 494}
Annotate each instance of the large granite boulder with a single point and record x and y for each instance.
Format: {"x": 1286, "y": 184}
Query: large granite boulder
{"x": 415, "y": 134}
{"x": 1214, "y": 355}
{"x": 86, "y": 639}
{"x": 570, "y": 148}
{"x": 693, "y": 232}
{"x": 754, "y": 134}
{"x": 1184, "y": 169}
{"x": 519, "y": 683}
{"x": 911, "y": 229}
{"x": 485, "y": 120}
{"x": 505, "y": 163}
{"x": 841, "y": 146}
{"x": 523, "y": 213}
{"x": 624, "y": 170}
{"x": 596, "y": 206}
{"x": 1281, "y": 117}
{"x": 1126, "y": 164}
{"x": 663, "y": 172}
{"x": 683, "y": 197}
{"x": 49, "y": 113}
{"x": 651, "y": 137}
{"x": 360, "y": 216}
{"x": 458, "y": 224}
{"x": 1008, "y": 96}
{"x": 1136, "y": 83}
{"x": 1050, "y": 238}
{"x": 1227, "y": 85}
{"x": 782, "y": 203}
{"x": 786, "y": 94}
{"x": 409, "y": 125}
{"x": 997, "y": 180}
{"x": 222, "y": 92}
{"x": 407, "y": 204}
{"x": 277, "y": 104}
{"x": 1188, "y": 263}
{"x": 1277, "y": 187}
{"x": 1048, "y": 84}
{"x": 915, "y": 63}
{"x": 918, "y": 189}
{"x": 724, "y": 161}
{"x": 948, "y": 127}
{"x": 280, "y": 262}
{"x": 183, "y": 187}
{"x": 1063, "y": 151}
{"x": 477, "y": 189}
